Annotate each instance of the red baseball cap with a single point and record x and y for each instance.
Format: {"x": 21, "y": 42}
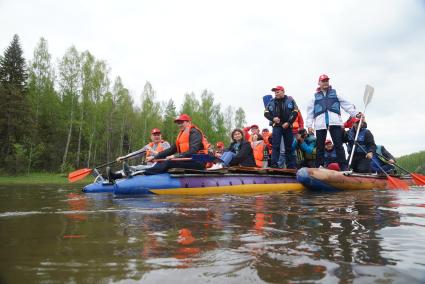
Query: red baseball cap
{"x": 183, "y": 117}
{"x": 323, "y": 77}
{"x": 328, "y": 141}
{"x": 278, "y": 88}
{"x": 254, "y": 126}
{"x": 155, "y": 130}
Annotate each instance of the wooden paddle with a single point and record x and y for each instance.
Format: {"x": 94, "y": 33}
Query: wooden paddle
{"x": 367, "y": 97}
{"x": 82, "y": 173}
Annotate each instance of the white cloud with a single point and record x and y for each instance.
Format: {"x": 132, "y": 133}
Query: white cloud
{"x": 240, "y": 49}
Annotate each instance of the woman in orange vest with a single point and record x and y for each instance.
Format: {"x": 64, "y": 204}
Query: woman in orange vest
{"x": 190, "y": 140}
{"x": 260, "y": 150}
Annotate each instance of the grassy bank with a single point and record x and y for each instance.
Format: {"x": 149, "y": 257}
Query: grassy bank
{"x": 41, "y": 178}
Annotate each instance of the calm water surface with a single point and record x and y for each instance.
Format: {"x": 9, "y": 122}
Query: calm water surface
{"x": 60, "y": 235}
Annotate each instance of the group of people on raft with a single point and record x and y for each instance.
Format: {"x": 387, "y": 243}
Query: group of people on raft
{"x": 289, "y": 145}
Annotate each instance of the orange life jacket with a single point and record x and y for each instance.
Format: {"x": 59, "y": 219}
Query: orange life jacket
{"x": 182, "y": 142}
{"x": 258, "y": 149}
{"x": 267, "y": 142}
{"x": 151, "y": 148}
{"x": 298, "y": 123}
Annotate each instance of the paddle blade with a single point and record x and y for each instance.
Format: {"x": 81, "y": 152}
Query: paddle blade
{"x": 79, "y": 174}
{"x": 368, "y": 94}
{"x": 395, "y": 183}
{"x": 418, "y": 179}
{"x": 267, "y": 99}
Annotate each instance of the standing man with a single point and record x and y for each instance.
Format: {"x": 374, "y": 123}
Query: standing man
{"x": 282, "y": 111}
{"x": 324, "y": 111}
{"x": 190, "y": 140}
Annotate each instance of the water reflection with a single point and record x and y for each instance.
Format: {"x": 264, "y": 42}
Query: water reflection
{"x": 369, "y": 236}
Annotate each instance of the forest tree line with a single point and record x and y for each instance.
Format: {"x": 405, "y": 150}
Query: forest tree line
{"x": 70, "y": 114}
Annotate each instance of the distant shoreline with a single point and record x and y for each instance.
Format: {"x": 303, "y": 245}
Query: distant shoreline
{"x": 41, "y": 179}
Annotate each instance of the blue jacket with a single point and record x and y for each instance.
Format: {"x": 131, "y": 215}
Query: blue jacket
{"x": 289, "y": 110}
{"x": 365, "y": 140}
{"x": 330, "y": 157}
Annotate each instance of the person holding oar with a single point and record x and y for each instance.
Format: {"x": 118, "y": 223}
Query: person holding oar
{"x": 362, "y": 157}
{"x": 324, "y": 111}
{"x": 156, "y": 146}
{"x": 190, "y": 141}
{"x": 382, "y": 159}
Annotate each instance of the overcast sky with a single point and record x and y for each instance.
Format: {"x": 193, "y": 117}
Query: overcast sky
{"x": 240, "y": 49}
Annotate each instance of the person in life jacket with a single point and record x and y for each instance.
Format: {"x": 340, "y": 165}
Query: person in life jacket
{"x": 304, "y": 146}
{"x": 365, "y": 147}
{"x": 324, "y": 113}
{"x": 282, "y": 111}
{"x": 156, "y": 145}
{"x": 384, "y": 159}
{"x": 330, "y": 154}
{"x": 239, "y": 153}
{"x": 219, "y": 147}
{"x": 260, "y": 149}
{"x": 298, "y": 123}
{"x": 190, "y": 140}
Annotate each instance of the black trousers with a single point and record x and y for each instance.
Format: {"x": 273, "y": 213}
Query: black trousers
{"x": 360, "y": 164}
{"x": 162, "y": 167}
{"x": 336, "y": 134}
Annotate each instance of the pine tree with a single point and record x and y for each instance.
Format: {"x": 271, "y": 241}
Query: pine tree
{"x": 14, "y": 120}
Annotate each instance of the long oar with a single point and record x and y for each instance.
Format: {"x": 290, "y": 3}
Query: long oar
{"x": 195, "y": 157}
{"x": 367, "y": 97}
{"x": 417, "y": 178}
{"x": 82, "y": 173}
{"x": 393, "y": 183}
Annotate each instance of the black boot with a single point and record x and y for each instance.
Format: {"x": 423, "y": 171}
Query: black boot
{"x": 126, "y": 169}
{"x": 111, "y": 175}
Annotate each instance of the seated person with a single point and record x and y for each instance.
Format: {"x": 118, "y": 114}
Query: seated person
{"x": 239, "y": 153}
{"x": 329, "y": 154}
{"x": 304, "y": 146}
{"x": 365, "y": 147}
{"x": 260, "y": 149}
{"x": 190, "y": 140}
{"x": 219, "y": 148}
{"x": 384, "y": 159}
{"x": 154, "y": 147}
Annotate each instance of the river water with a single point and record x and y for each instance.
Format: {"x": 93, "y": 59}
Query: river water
{"x": 53, "y": 234}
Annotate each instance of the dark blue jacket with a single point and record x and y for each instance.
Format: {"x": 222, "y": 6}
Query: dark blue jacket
{"x": 286, "y": 109}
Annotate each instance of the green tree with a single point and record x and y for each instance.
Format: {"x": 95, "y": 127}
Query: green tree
{"x": 240, "y": 119}
{"x": 14, "y": 120}
{"x": 169, "y": 130}
{"x": 150, "y": 115}
{"x": 70, "y": 89}
{"x": 45, "y": 105}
